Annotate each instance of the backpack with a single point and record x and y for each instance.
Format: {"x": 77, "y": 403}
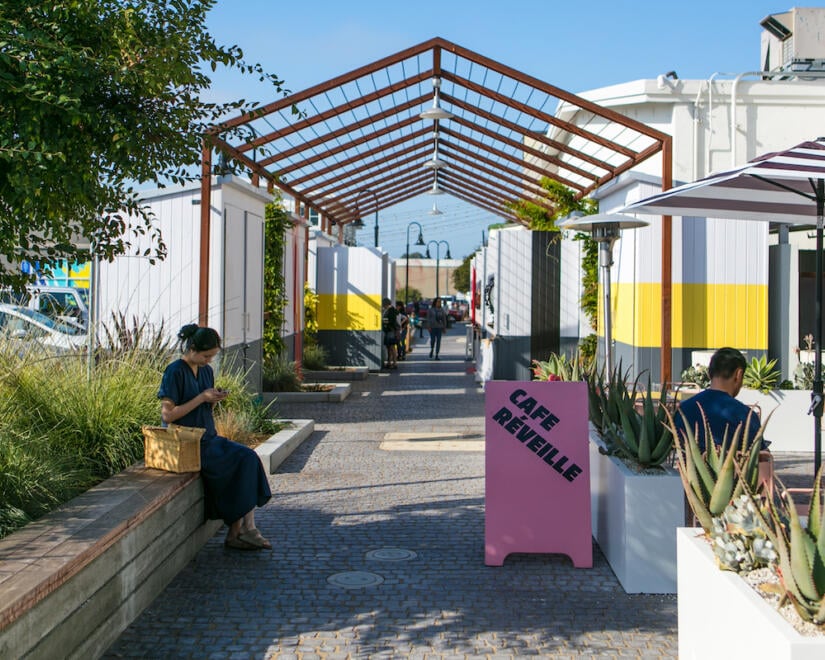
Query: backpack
{"x": 389, "y": 318}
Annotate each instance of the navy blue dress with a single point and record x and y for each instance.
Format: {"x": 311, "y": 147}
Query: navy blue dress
{"x": 234, "y": 479}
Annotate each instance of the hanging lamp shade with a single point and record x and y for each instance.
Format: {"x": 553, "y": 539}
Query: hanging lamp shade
{"x": 435, "y": 164}
{"x": 436, "y": 111}
{"x": 435, "y": 210}
{"x": 435, "y": 190}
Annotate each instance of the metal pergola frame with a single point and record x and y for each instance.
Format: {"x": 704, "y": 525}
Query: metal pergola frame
{"x": 328, "y": 145}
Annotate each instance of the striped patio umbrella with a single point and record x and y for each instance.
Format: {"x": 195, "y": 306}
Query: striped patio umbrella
{"x": 782, "y": 187}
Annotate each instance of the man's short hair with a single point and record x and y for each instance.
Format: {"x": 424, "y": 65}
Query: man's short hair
{"x": 725, "y": 362}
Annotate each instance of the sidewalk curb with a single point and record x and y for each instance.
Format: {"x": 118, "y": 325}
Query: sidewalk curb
{"x": 278, "y": 447}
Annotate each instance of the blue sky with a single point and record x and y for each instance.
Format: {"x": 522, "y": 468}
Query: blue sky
{"x": 576, "y": 46}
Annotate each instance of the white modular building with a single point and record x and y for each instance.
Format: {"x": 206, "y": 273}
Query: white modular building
{"x": 734, "y": 283}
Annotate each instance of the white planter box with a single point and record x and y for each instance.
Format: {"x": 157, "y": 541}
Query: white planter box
{"x": 791, "y": 428}
{"x": 720, "y": 615}
{"x": 634, "y": 521}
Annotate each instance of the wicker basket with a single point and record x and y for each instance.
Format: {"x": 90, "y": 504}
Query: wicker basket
{"x": 173, "y": 448}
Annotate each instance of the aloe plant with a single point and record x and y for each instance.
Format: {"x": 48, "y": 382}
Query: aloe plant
{"x": 801, "y": 551}
{"x": 714, "y": 477}
{"x": 607, "y": 398}
{"x": 642, "y": 437}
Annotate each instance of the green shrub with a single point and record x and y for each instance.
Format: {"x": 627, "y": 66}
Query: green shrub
{"x": 66, "y": 424}
{"x": 314, "y": 358}
{"x": 280, "y": 375}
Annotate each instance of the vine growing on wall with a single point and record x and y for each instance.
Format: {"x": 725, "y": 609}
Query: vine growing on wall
{"x": 276, "y": 224}
{"x": 310, "y": 316}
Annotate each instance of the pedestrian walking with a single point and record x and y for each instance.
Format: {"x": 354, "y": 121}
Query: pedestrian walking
{"x": 437, "y": 324}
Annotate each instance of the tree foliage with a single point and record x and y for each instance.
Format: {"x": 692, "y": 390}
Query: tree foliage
{"x": 98, "y": 98}
{"x": 461, "y": 275}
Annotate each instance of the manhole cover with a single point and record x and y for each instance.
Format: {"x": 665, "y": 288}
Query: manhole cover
{"x": 391, "y": 554}
{"x": 355, "y": 579}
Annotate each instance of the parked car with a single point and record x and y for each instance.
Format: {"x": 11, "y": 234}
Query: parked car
{"x": 31, "y": 328}
{"x": 66, "y": 304}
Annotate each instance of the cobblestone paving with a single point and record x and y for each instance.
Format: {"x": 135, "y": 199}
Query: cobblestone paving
{"x": 337, "y": 498}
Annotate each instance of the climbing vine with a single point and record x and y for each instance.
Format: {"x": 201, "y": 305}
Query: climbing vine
{"x": 310, "y": 316}
{"x": 276, "y": 224}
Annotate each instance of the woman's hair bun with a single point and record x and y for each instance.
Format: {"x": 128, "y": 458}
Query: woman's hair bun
{"x": 187, "y": 331}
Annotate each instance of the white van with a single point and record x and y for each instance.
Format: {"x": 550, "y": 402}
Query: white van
{"x": 67, "y": 304}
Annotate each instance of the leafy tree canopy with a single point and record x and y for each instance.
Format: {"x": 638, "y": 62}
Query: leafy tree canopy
{"x": 461, "y": 275}
{"x": 99, "y": 97}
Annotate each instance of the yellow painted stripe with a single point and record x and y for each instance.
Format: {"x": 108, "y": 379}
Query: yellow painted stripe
{"x": 703, "y": 315}
{"x": 349, "y": 312}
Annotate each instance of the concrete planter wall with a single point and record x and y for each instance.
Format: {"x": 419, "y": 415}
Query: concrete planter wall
{"x": 720, "y": 616}
{"x": 339, "y": 392}
{"x": 335, "y": 374}
{"x": 791, "y": 428}
{"x": 634, "y": 521}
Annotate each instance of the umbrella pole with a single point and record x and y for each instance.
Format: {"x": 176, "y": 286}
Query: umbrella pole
{"x": 816, "y": 395}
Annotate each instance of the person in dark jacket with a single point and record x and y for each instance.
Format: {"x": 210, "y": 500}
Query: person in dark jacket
{"x": 718, "y": 403}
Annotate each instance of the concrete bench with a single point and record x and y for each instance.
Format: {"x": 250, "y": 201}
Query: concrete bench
{"x": 74, "y": 580}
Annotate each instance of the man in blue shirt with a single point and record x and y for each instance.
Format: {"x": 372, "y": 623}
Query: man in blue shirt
{"x": 718, "y": 403}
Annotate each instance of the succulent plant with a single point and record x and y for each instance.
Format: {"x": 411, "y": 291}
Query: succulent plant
{"x": 740, "y": 537}
{"x": 761, "y": 374}
{"x": 607, "y": 398}
{"x": 713, "y": 478}
{"x": 641, "y": 436}
{"x": 801, "y": 551}
{"x": 560, "y": 367}
{"x": 697, "y": 374}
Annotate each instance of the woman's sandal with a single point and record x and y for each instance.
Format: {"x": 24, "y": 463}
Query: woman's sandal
{"x": 255, "y": 538}
{"x": 238, "y": 543}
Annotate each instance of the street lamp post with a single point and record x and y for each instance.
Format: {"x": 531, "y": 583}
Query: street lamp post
{"x": 420, "y": 241}
{"x": 437, "y": 259}
{"x": 375, "y": 199}
{"x": 446, "y": 270}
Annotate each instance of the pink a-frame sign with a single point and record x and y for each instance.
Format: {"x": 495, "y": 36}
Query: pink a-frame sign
{"x": 537, "y": 476}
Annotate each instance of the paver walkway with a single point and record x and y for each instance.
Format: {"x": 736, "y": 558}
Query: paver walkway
{"x": 339, "y": 498}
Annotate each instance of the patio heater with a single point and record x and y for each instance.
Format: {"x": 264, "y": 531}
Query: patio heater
{"x": 605, "y": 229}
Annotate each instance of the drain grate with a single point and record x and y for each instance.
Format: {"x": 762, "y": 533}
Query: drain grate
{"x": 355, "y": 579}
{"x": 391, "y": 554}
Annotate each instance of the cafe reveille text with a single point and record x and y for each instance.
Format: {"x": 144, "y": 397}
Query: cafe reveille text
{"x": 517, "y": 424}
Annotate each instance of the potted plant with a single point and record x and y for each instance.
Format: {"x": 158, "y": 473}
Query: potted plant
{"x": 756, "y": 537}
{"x": 636, "y": 496}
